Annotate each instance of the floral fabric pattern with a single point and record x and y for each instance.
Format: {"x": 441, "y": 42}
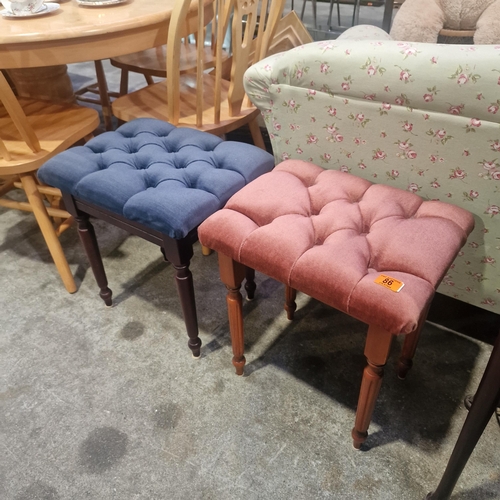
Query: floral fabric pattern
{"x": 421, "y": 117}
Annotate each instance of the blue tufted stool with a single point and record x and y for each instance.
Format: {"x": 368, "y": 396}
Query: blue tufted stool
{"x": 156, "y": 181}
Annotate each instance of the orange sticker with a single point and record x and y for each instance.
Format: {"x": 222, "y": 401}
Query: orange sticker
{"x": 390, "y": 283}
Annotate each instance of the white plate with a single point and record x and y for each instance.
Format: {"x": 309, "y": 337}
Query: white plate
{"x": 99, "y": 3}
{"x": 46, "y": 9}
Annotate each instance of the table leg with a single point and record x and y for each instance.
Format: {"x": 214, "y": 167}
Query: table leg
{"x": 50, "y": 83}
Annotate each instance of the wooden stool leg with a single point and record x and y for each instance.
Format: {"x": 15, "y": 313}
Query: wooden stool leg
{"x": 232, "y": 274}
{"x": 377, "y": 347}
{"x": 290, "y": 304}
{"x": 89, "y": 241}
{"x": 250, "y": 285}
{"x": 185, "y": 289}
{"x": 48, "y": 231}
{"x": 410, "y": 344}
{"x": 205, "y": 250}
{"x": 485, "y": 401}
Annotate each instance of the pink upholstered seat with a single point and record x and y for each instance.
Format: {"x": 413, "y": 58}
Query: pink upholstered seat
{"x": 330, "y": 234}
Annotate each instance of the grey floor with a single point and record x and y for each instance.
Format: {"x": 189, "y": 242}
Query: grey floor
{"x": 107, "y": 403}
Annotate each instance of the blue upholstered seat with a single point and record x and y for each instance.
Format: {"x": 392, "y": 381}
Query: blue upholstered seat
{"x": 167, "y": 178}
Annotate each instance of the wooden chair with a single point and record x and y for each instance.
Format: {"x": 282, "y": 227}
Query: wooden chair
{"x": 31, "y": 132}
{"x": 289, "y": 33}
{"x": 152, "y": 62}
{"x": 206, "y": 100}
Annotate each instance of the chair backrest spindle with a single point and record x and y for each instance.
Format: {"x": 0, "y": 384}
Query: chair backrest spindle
{"x": 219, "y": 40}
{"x": 200, "y": 65}
{"x": 16, "y": 114}
{"x": 210, "y": 90}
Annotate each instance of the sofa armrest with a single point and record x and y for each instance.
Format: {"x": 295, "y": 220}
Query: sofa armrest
{"x": 455, "y": 79}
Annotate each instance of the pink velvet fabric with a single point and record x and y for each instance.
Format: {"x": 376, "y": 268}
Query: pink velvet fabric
{"x": 330, "y": 234}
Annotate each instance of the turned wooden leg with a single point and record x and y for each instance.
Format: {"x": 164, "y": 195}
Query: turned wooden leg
{"x": 290, "y": 304}
{"x": 485, "y": 401}
{"x": 409, "y": 348}
{"x": 232, "y": 274}
{"x": 185, "y": 288}
{"x": 89, "y": 242}
{"x": 250, "y": 285}
{"x": 45, "y": 223}
{"x": 377, "y": 347}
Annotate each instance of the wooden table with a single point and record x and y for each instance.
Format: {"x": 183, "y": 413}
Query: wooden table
{"x": 76, "y": 33}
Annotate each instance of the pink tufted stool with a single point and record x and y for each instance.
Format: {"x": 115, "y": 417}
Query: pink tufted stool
{"x": 330, "y": 235}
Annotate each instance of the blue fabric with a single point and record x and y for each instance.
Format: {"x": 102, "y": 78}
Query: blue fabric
{"x": 167, "y": 178}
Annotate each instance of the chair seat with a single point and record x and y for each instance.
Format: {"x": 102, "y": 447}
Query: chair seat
{"x": 154, "y": 104}
{"x": 331, "y": 234}
{"x": 46, "y": 118}
{"x": 166, "y": 178}
{"x": 153, "y": 61}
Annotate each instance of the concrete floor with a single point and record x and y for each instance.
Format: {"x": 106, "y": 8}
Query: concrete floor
{"x": 107, "y": 403}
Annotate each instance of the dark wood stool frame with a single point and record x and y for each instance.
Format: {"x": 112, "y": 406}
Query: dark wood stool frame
{"x": 177, "y": 252}
{"x": 377, "y": 347}
{"x": 483, "y": 406}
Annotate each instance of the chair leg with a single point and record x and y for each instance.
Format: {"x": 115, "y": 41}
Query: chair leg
{"x": 185, "y": 289}
{"x": 44, "y": 222}
{"x": 232, "y": 274}
{"x": 485, "y": 401}
{"x": 104, "y": 95}
{"x": 256, "y": 134}
{"x": 89, "y": 241}
{"x": 410, "y": 344}
{"x": 124, "y": 82}
{"x": 329, "y": 22}
{"x": 377, "y": 347}
{"x": 250, "y": 285}
{"x": 290, "y": 304}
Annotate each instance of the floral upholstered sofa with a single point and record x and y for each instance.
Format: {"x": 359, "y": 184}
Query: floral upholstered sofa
{"x": 421, "y": 117}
